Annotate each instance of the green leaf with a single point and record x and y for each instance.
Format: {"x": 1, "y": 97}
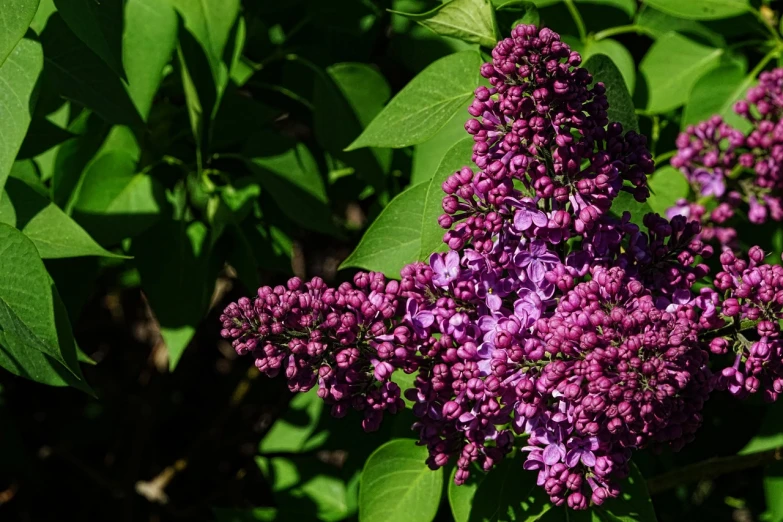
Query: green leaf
{"x": 515, "y": 12}
{"x": 208, "y": 27}
{"x": 701, "y": 9}
{"x": 258, "y": 246}
{"x": 394, "y": 238}
{"x": 416, "y": 47}
{"x": 42, "y": 135}
{"x": 306, "y": 489}
{"x": 397, "y": 486}
{"x": 82, "y": 76}
{"x": 667, "y": 185}
{"x": 27, "y": 318}
{"x": 506, "y": 494}
{"x": 210, "y": 22}
{"x": 291, "y": 432}
{"x": 264, "y": 514}
{"x": 17, "y": 357}
{"x": 289, "y": 172}
{"x": 405, "y": 381}
{"x": 115, "y": 202}
{"x": 148, "y": 43}
{"x": 54, "y": 234}
{"x": 18, "y": 75}
{"x": 467, "y": 20}
{"x": 45, "y": 10}
{"x": 634, "y": 503}
{"x": 620, "y": 56}
{"x": 457, "y": 157}
{"x": 715, "y": 93}
{"x": 238, "y": 118}
{"x": 45, "y": 161}
{"x": 657, "y": 24}
{"x": 13, "y": 24}
{"x": 621, "y": 108}
{"x": 672, "y": 66}
{"x": 625, "y": 202}
{"x": 7, "y": 211}
{"x": 98, "y": 25}
{"x": 26, "y": 171}
{"x": 773, "y": 491}
{"x": 177, "y": 276}
{"x": 626, "y": 6}
{"x": 428, "y": 155}
{"x": 347, "y": 97}
{"x": 73, "y": 156}
{"x": 770, "y": 435}
{"x": 425, "y": 105}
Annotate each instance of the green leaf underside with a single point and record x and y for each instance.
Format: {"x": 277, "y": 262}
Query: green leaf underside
{"x": 425, "y": 105}
{"x": 397, "y": 485}
{"x": 467, "y": 20}
{"x": 701, "y": 9}
{"x": 672, "y": 66}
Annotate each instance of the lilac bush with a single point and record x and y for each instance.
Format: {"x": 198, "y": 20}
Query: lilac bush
{"x": 551, "y": 323}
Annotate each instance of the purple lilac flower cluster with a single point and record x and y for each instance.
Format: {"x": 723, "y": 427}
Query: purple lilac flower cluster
{"x": 714, "y": 158}
{"x": 754, "y": 294}
{"x": 542, "y": 124}
{"x": 550, "y": 318}
{"x": 343, "y": 339}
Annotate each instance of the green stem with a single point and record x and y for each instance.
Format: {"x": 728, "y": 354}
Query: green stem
{"x": 580, "y": 24}
{"x": 764, "y": 61}
{"x": 709, "y": 469}
{"x": 656, "y": 132}
{"x": 665, "y": 156}
{"x": 623, "y": 29}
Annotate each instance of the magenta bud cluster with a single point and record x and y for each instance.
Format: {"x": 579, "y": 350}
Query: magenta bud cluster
{"x": 345, "y": 340}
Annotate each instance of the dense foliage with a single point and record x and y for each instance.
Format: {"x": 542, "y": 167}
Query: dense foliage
{"x": 569, "y": 214}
